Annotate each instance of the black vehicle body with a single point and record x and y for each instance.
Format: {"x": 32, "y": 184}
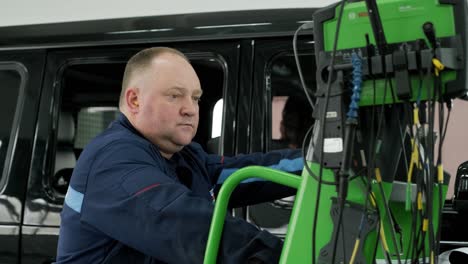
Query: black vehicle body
{"x": 72, "y": 66}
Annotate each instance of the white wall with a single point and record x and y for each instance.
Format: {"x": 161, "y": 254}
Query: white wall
{"x": 455, "y": 148}
{"x": 23, "y": 12}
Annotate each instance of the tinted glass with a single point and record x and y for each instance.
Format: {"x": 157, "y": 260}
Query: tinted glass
{"x": 10, "y": 82}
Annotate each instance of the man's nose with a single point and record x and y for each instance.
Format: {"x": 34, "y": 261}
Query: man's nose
{"x": 189, "y": 107}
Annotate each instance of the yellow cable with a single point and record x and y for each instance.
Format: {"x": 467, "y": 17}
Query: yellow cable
{"x": 438, "y": 66}
{"x": 378, "y": 177}
{"x": 420, "y": 207}
{"x": 372, "y": 200}
{"x": 414, "y": 159}
{"x": 425, "y": 224}
{"x": 416, "y": 116}
{"x": 410, "y": 171}
{"x": 356, "y": 246}
{"x": 382, "y": 236}
{"x": 440, "y": 173}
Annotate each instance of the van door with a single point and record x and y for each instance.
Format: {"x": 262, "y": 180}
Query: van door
{"x": 276, "y": 80}
{"x": 80, "y": 98}
{"x": 20, "y": 85}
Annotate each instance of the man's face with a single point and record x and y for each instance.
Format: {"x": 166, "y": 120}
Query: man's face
{"x": 168, "y": 103}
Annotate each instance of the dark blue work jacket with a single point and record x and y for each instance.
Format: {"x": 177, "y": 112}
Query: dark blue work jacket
{"x": 128, "y": 204}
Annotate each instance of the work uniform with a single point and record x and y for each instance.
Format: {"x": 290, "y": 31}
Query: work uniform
{"x": 128, "y": 204}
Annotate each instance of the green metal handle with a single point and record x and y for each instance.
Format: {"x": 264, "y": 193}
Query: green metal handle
{"x": 217, "y": 223}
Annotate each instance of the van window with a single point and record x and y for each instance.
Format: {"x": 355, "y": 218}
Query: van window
{"x": 91, "y": 121}
{"x": 277, "y": 106}
{"x": 10, "y": 84}
{"x": 291, "y": 114}
{"x": 216, "y": 123}
{"x": 89, "y": 103}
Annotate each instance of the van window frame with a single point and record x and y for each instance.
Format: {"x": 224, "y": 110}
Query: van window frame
{"x": 14, "y": 132}
{"x": 60, "y": 86}
{"x": 266, "y": 51}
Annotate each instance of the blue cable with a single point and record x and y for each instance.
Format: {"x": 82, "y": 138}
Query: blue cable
{"x": 357, "y": 83}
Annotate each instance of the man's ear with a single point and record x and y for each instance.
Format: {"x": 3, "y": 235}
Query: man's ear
{"x": 132, "y": 100}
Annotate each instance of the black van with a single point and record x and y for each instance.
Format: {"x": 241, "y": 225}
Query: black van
{"x": 60, "y": 86}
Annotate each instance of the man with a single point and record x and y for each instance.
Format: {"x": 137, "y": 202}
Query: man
{"x": 142, "y": 192}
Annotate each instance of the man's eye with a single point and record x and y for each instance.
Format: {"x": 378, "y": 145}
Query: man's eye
{"x": 196, "y": 98}
{"x": 174, "y": 96}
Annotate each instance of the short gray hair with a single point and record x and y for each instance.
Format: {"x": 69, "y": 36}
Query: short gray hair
{"x": 140, "y": 62}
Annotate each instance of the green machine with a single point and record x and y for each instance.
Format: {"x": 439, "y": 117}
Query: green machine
{"x": 373, "y": 184}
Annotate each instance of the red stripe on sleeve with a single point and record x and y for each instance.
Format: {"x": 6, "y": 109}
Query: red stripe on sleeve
{"x": 146, "y": 189}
